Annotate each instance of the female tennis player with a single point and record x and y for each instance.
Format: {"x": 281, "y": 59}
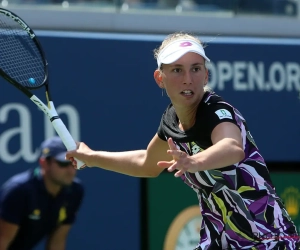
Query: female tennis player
{"x": 206, "y": 141}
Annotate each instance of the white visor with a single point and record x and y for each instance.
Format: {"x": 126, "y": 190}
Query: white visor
{"x": 173, "y": 51}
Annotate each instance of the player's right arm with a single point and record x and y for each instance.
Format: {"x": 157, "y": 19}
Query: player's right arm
{"x": 139, "y": 163}
{"x": 8, "y": 232}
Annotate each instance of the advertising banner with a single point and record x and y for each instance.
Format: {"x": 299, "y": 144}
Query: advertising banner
{"x": 103, "y": 88}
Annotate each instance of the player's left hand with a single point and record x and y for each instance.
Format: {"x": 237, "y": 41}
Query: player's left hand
{"x": 181, "y": 161}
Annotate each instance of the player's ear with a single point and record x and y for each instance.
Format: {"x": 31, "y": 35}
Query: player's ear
{"x": 158, "y": 78}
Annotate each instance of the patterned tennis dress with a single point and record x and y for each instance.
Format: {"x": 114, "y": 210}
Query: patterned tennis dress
{"x": 239, "y": 205}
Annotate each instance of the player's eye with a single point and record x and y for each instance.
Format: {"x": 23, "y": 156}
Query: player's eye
{"x": 176, "y": 70}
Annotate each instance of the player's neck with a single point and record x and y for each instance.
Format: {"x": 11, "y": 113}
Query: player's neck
{"x": 187, "y": 117}
{"x": 187, "y": 114}
{"x": 186, "y": 125}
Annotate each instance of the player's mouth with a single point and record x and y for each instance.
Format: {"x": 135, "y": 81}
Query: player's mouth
{"x": 187, "y": 92}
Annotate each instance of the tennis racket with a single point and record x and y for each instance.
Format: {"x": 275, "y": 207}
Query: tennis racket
{"x": 23, "y": 64}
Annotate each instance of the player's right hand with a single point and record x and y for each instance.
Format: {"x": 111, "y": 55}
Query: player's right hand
{"x": 83, "y": 153}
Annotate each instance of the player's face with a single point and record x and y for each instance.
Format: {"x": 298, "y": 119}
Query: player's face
{"x": 184, "y": 80}
{"x": 61, "y": 173}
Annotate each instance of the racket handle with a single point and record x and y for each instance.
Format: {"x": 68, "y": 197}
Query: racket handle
{"x": 67, "y": 138}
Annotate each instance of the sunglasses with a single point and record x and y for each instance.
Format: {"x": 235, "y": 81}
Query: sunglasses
{"x": 63, "y": 164}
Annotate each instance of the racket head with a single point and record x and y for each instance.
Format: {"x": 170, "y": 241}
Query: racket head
{"x": 22, "y": 60}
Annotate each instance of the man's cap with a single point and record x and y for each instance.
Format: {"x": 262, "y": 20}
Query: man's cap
{"x": 55, "y": 148}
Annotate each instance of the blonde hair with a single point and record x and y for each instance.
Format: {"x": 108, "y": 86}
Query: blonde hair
{"x": 175, "y": 36}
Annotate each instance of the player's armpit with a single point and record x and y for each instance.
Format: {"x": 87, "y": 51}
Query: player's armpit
{"x": 8, "y": 232}
{"x": 58, "y": 239}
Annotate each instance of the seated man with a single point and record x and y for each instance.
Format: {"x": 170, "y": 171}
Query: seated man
{"x": 40, "y": 202}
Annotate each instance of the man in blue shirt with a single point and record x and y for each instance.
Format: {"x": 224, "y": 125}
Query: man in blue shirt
{"x": 40, "y": 202}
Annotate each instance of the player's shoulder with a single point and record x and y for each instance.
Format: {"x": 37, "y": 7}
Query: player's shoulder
{"x": 168, "y": 116}
{"x": 215, "y": 107}
{"x": 213, "y": 102}
{"x": 211, "y": 98}
{"x": 169, "y": 109}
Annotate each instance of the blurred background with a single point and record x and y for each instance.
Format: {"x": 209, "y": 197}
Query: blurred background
{"x": 100, "y": 55}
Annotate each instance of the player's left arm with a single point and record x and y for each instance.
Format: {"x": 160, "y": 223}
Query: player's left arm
{"x": 227, "y": 148}
{"x": 58, "y": 239}
{"x": 225, "y": 128}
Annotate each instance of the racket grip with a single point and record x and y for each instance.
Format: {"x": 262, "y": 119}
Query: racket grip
{"x": 67, "y": 138}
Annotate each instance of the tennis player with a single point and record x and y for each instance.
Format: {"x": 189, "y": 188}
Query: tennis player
{"x": 206, "y": 141}
{"x": 40, "y": 202}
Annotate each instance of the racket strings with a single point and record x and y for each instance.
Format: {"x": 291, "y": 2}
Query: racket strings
{"x": 20, "y": 58}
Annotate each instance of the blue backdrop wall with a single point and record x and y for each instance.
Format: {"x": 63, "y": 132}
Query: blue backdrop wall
{"x": 103, "y": 88}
